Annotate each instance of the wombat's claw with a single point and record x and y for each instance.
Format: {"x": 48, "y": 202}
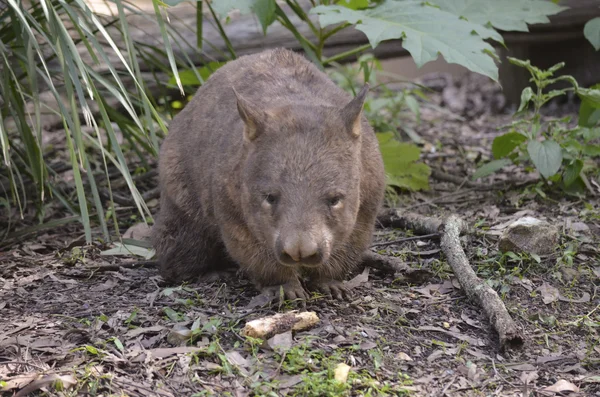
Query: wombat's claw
{"x": 291, "y": 291}
{"x": 334, "y": 289}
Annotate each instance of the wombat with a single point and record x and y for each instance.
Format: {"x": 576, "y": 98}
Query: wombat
{"x": 275, "y": 168}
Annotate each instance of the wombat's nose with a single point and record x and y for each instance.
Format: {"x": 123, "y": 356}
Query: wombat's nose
{"x": 300, "y": 250}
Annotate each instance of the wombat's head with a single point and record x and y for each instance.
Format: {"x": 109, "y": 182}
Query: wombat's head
{"x": 301, "y": 177}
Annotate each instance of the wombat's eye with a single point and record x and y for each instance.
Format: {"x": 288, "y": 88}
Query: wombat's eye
{"x": 271, "y": 199}
{"x": 334, "y": 201}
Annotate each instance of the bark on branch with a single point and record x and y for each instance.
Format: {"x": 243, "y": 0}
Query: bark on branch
{"x": 476, "y": 289}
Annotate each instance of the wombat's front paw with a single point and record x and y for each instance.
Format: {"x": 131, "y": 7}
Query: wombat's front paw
{"x": 292, "y": 290}
{"x": 333, "y": 289}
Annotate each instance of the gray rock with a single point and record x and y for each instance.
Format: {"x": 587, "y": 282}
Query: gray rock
{"x": 529, "y": 235}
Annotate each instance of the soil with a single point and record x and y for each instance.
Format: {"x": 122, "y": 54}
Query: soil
{"x": 107, "y": 325}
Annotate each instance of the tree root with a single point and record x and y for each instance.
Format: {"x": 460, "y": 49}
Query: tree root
{"x": 476, "y": 289}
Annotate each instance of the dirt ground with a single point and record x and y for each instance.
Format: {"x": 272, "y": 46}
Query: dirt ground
{"x": 99, "y": 325}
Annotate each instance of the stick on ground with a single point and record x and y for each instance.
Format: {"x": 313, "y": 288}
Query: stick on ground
{"x": 476, "y": 289}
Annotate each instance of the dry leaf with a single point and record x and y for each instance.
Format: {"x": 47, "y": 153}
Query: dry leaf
{"x": 139, "y": 231}
{"x": 562, "y": 386}
{"x": 358, "y": 280}
{"x": 404, "y": 357}
{"x": 236, "y": 359}
{"x": 549, "y": 293}
{"x": 528, "y": 376}
{"x": 584, "y": 298}
{"x": 281, "y": 342}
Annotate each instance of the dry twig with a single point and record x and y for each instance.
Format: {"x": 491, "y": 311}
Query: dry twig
{"x": 475, "y": 288}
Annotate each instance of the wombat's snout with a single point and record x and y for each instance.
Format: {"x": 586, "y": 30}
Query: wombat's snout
{"x": 299, "y": 249}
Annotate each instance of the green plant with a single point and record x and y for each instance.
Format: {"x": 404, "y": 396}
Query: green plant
{"x": 103, "y": 88}
{"x": 92, "y": 95}
{"x": 452, "y": 28}
{"x": 550, "y": 145}
{"x": 427, "y": 29}
{"x": 591, "y": 30}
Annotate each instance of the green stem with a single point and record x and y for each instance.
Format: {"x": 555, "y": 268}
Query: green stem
{"x": 302, "y": 15}
{"x": 345, "y": 54}
{"x": 222, "y": 31}
{"x": 335, "y": 30}
{"x": 299, "y": 36}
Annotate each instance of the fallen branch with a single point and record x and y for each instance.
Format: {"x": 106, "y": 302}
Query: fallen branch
{"x": 415, "y": 222}
{"x": 476, "y": 289}
{"x": 405, "y": 239}
{"x": 395, "y": 265}
{"x": 457, "y": 180}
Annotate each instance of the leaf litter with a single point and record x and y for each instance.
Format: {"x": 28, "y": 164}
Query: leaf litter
{"x": 121, "y": 330}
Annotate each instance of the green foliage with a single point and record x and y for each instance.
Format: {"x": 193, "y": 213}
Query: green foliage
{"x": 264, "y": 9}
{"x": 39, "y": 53}
{"x": 196, "y": 76}
{"x": 401, "y": 166}
{"x": 457, "y": 29}
{"x": 44, "y": 74}
{"x": 426, "y": 31}
{"x": 551, "y": 145}
{"x": 591, "y": 30}
{"x": 509, "y": 15}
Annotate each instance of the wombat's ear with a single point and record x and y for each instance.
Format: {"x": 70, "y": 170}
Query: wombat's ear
{"x": 251, "y": 116}
{"x": 352, "y": 112}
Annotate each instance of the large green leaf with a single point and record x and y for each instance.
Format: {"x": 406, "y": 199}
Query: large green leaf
{"x": 504, "y": 144}
{"x": 591, "y": 30}
{"x": 426, "y": 32}
{"x": 546, "y": 156}
{"x": 400, "y": 162}
{"x": 512, "y": 15}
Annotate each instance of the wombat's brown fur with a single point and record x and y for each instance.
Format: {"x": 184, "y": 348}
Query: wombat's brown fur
{"x": 274, "y": 166}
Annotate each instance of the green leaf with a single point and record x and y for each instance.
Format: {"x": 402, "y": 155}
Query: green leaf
{"x": 91, "y": 349}
{"x": 265, "y": 12}
{"x": 119, "y": 344}
{"x": 197, "y": 77}
{"x": 588, "y": 115}
{"x": 490, "y": 168}
{"x": 426, "y": 32}
{"x": 223, "y": 7}
{"x": 264, "y": 9}
{"x": 504, "y": 144}
{"x": 172, "y": 314}
{"x": 591, "y": 133}
{"x": 591, "y": 95}
{"x": 400, "y": 164}
{"x": 526, "y": 96}
{"x": 591, "y": 31}
{"x": 353, "y": 4}
{"x": 572, "y": 172}
{"x": 510, "y": 15}
{"x": 589, "y": 112}
{"x": 546, "y": 156}
{"x": 591, "y": 150}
